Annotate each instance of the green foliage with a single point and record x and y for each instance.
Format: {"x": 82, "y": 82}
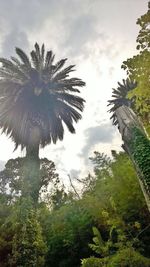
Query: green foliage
{"x": 60, "y": 232}
{"x": 6, "y": 230}
{"x": 116, "y": 239}
{"x": 143, "y": 38}
{"x": 123, "y": 255}
{"x": 13, "y": 178}
{"x": 124, "y": 181}
{"x": 123, "y": 258}
{"x": 137, "y": 69}
{"x": 118, "y": 206}
{"x": 128, "y": 257}
{"x": 58, "y": 198}
{"x": 57, "y": 230}
{"x": 94, "y": 262}
{"x": 119, "y": 177}
{"x": 28, "y": 247}
{"x": 68, "y": 235}
{"x": 140, "y": 146}
{"x": 119, "y": 191}
{"x": 99, "y": 244}
{"x": 100, "y": 161}
{"x": 21, "y": 241}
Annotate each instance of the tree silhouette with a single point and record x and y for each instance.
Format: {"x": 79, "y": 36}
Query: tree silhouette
{"x": 36, "y": 98}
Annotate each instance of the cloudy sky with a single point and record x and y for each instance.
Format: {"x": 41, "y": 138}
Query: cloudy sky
{"x": 96, "y": 36}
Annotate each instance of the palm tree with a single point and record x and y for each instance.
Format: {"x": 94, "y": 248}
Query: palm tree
{"x": 36, "y": 98}
{"x": 119, "y": 97}
{"x": 135, "y": 141}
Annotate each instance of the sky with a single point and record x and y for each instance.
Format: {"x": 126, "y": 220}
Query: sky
{"x": 96, "y": 36}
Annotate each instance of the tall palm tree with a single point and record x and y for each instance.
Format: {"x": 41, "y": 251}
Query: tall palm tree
{"x": 36, "y": 98}
{"x": 135, "y": 141}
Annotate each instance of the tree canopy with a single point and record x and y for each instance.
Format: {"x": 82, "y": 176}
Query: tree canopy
{"x": 37, "y": 96}
{"x": 137, "y": 69}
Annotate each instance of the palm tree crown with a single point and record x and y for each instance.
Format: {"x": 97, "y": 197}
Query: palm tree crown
{"x": 37, "y": 96}
{"x": 119, "y": 97}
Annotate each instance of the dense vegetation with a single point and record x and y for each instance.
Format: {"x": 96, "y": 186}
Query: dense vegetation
{"x": 105, "y": 224}
{"x": 60, "y": 235}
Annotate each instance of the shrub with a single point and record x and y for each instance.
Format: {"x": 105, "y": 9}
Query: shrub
{"x": 128, "y": 257}
{"x": 94, "y": 262}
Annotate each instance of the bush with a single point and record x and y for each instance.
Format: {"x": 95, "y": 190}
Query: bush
{"x": 128, "y": 257}
{"x": 94, "y": 262}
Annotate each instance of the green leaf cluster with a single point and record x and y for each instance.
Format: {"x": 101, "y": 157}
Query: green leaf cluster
{"x": 138, "y": 69}
{"x": 28, "y": 246}
{"x": 124, "y": 258}
{"x": 119, "y": 211}
{"x": 140, "y": 147}
{"x": 94, "y": 262}
{"x": 60, "y": 234}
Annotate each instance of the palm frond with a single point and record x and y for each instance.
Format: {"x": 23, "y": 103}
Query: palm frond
{"x": 37, "y": 50}
{"x": 68, "y": 123}
{"x": 10, "y": 69}
{"x": 65, "y": 109}
{"x": 35, "y": 59}
{"x": 6, "y": 63}
{"x": 24, "y": 58}
{"x": 64, "y": 73}
{"x": 72, "y": 100}
{"x": 49, "y": 59}
{"x": 15, "y": 60}
{"x": 42, "y": 52}
{"x": 59, "y": 65}
{"x": 120, "y": 97}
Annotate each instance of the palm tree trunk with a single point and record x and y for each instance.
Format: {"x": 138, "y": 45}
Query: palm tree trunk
{"x": 128, "y": 122}
{"x": 32, "y": 166}
{"x": 32, "y": 152}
